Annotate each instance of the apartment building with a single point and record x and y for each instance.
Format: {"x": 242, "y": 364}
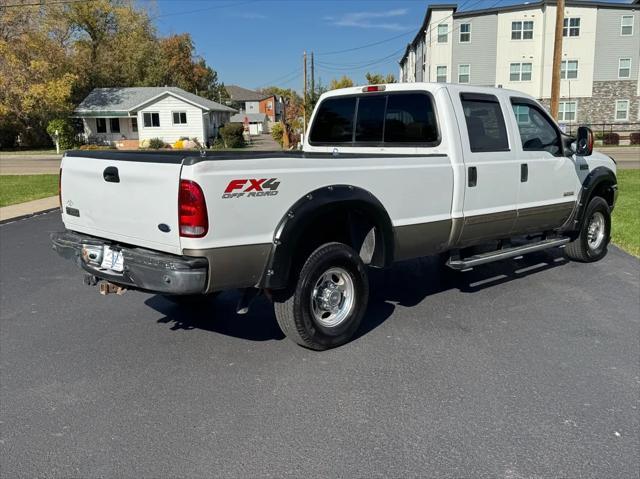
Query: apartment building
{"x": 512, "y": 47}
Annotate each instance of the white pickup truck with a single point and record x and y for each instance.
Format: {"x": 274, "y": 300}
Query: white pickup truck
{"x": 388, "y": 172}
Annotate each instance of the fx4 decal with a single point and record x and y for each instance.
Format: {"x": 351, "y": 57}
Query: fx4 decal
{"x": 251, "y": 187}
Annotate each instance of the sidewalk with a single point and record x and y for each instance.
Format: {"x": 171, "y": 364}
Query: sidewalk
{"x": 23, "y": 210}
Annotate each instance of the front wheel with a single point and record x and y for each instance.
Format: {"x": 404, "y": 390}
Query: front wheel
{"x": 594, "y": 235}
{"x": 329, "y": 299}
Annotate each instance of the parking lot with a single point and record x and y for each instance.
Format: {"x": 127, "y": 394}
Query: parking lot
{"x": 518, "y": 369}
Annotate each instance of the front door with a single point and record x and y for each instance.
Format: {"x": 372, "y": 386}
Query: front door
{"x": 549, "y": 182}
{"x": 492, "y": 170}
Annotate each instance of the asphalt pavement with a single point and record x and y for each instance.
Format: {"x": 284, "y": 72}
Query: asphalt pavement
{"x": 514, "y": 370}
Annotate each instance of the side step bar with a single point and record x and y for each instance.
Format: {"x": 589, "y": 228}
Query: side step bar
{"x": 505, "y": 253}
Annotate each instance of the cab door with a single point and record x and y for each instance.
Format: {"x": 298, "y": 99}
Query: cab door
{"x": 492, "y": 170}
{"x": 549, "y": 181}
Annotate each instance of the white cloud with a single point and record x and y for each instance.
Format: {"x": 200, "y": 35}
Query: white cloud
{"x": 369, "y": 19}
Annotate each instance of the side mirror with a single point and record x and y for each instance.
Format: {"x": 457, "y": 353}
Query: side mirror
{"x": 584, "y": 141}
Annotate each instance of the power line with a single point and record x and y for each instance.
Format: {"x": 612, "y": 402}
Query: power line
{"x": 205, "y": 9}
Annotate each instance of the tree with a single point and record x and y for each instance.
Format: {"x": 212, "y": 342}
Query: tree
{"x": 379, "y": 79}
{"x": 342, "y": 82}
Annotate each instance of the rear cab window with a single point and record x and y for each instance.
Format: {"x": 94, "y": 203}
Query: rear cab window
{"x": 376, "y": 119}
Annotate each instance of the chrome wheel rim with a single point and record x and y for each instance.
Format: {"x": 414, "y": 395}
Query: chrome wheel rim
{"x": 333, "y": 297}
{"x": 596, "y": 231}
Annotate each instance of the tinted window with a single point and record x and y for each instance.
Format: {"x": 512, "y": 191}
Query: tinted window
{"x": 101, "y": 125}
{"x": 369, "y": 118}
{"x": 410, "y": 118}
{"x": 334, "y": 121}
{"x": 485, "y": 123}
{"x": 114, "y": 124}
{"x": 536, "y": 130}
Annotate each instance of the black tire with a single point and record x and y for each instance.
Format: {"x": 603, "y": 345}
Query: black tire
{"x": 582, "y": 249}
{"x": 295, "y": 309}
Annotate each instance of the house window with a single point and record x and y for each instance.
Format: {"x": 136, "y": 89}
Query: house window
{"x": 464, "y": 73}
{"x": 101, "y": 125}
{"x": 134, "y": 125}
{"x": 571, "y": 27}
{"x": 151, "y": 120}
{"x": 179, "y": 117}
{"x": 114, "y": 125}
{"x": 465, "y": 32}
{"x": 622, "y": 110}
{"x": 522, "y": 30}
{"x": 441, "y": 74}
{"x": 624, "y": 68}
{"x": 270, "y": 105}
{"x": 567, "y": 111}
{"x": 626, "y": 25}
{"x": 443, "y": 33}
{"x": 520, "y": 72}
{"x": 569, "y": 69}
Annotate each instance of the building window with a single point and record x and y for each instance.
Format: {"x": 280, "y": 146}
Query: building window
{"x": 465, "y": 32}
{"x": 179, "y": 117}
{"x": 520, "y": 72}
{"x": 151, "y": 120}
{"x": 114, "y": 125}
{"x": 624, "y": 68}
{"x": 569, "y": 69}
{"x": 464, "y": 73}
{"x": 101, "y": 125}
{"x": 522, "y": 30}
{"x": 134, "y": 125}
{"x": 571, "y": 27}
{"x": 626, "y": 25}
{"x": 567, "y": 111}
{"x": 622, "y": 110}
{"x": 441, "y": 74}
{"x": 443, "y": 33}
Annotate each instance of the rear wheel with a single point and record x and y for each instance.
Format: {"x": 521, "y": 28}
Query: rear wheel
{"x": 594, "y": 235}
{"x": 326, "y": 305}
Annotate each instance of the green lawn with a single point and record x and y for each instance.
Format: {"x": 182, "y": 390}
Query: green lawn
{"x": 626, "y": 215}
{"x": 20, "y": 188}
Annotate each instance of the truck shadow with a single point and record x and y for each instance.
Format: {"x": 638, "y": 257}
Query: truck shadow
{"x": 407, "y": 283}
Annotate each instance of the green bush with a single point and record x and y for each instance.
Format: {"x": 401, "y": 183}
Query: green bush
{"x": 97, "y": 147}
{"x": 66, "y": 133}
{"x": 156, "y": 143}
{"x": 634, "y": 138}
{"x": 232, "y": 135}
{"x": 611, "y": 139}
{"x": 277, "y": 132}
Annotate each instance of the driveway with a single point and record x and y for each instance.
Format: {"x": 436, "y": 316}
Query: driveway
{"x": 29, "y": 164}
{"x": 514, "y": 370}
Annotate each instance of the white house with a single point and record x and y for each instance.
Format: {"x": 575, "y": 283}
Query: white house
{"x": 125, "y": 117}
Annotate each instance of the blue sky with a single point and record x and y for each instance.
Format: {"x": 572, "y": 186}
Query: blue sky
{"x": 256, "y": 43}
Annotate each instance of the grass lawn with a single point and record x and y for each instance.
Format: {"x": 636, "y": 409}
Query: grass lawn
{"x": 626, "y": 215}
{"x": 20, "y": 188}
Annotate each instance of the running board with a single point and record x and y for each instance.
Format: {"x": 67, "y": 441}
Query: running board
{"x": 505, "y": 253}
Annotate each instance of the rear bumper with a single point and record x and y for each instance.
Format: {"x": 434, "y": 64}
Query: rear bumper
{"x": 143, "y": 269}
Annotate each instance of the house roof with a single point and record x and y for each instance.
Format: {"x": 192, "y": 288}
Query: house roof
{"x": 237, "y": 93}
{"x": 253, "y": 117}
{"x": 122, "y": 101}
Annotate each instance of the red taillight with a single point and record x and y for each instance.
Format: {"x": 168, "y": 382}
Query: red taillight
{"x": 60, "y": 189}
{"x": 192, "y": 210}
{"x": 371, "y": 88}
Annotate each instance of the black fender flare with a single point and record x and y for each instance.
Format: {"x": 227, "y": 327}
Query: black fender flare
{"x": 591, "y": 183}
{"x": 292, "y": 225}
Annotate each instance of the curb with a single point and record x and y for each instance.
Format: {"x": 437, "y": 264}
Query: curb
{"x": 28, "y": 215}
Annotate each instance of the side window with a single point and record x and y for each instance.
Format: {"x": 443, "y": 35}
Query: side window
{"x": 334, "y": 121}
{"x": 485, "y": 122}
{"x": 410, "y": 118}
{"x": 537, "y": 132}
{"x": 370, "y": 118}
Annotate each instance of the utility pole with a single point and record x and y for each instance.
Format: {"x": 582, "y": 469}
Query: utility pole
{"x": 313, "y": 83}
{"x": 304, "y": 95}
{"x": 557, "y": 59}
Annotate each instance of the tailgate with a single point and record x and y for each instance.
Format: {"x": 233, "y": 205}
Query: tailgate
{"x": 122, "y": 199}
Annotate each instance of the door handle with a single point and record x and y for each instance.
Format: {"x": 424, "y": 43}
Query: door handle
{"x": 524, "y": 173}
{"x": 110, "y": 174}
{"x": 473, "y": 176}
